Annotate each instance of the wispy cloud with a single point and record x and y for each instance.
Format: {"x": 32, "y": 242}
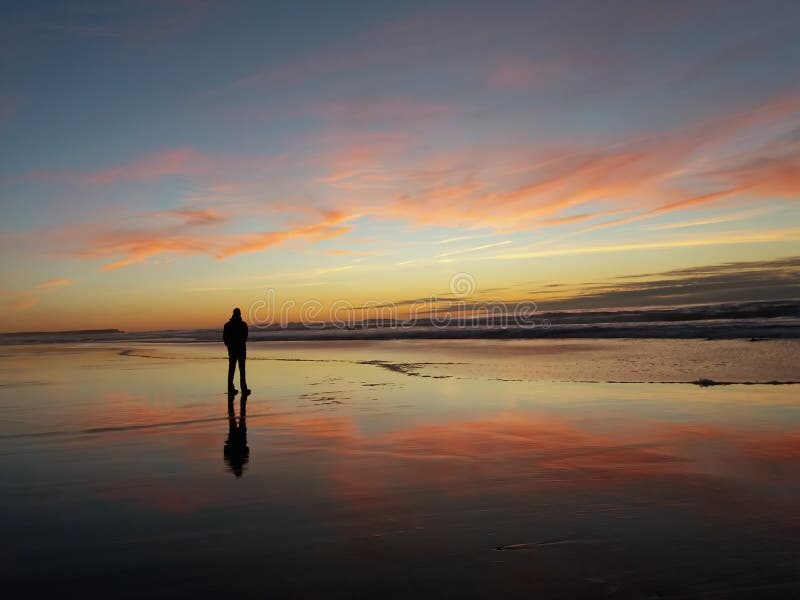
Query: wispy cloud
{"x": 716, "y": 219}
{"x": 692, "y": 201}
{"x": 136, "y": 23}
{"x": 150, "y": 167}
{"x": 381, "y": 111}
{"x": 363, "y": 157}
{"x": 516, "y": 74}
{"x": 53, "y": 283}
{"x": 387, "y": 42}
{"x": 17, "y": 301}
{"x": 474, "y": 248}
{"x": 462, "y": 238}
{"x": 22, "y": 300}
{"x": 136, "y": 245}
{"x": 387, "y": 174}
{"x": 245, "y": 243}
{"x": 656, "y": 172}
{"x": 520, "y": 73}
{"x": 390, "y": 175}
{"x": 9, "y": 104}
{"x": 739, "y": 237}
{"x": 290, "y": 276}
{"x": 197, "y": 216}
{"x": 569, "y": 219}
{"x": 349, "y": 252}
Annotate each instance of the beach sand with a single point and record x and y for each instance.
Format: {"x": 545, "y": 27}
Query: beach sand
{"x": 403, "y": 468}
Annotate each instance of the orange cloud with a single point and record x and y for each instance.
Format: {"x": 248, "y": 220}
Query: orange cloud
{"x": 53, "y": 283}
{"x": 328, "y": 228}
{"x": 665, "y": 208}
{"x": 766, "y": 177}
{"x": 395, "y": 176}
{"x": 594, "y": 176}
{"x": 25, "y": 299}
{"x": 138, "y": 245}
{"x": 17, "y": 301}
{"x": 776, "y": 174}
{"x": 576, "y": 218}
{"x": 650, "y": 172}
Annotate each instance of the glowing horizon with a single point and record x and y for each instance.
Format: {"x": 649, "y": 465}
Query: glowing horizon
{"x": 164, "y": 162}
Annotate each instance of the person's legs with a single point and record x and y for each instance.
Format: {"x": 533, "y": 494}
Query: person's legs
{"x": 242, "y": 375}
{"x": 231, "y": 369}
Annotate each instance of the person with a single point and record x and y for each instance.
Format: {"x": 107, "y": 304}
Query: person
{"x": 234, "y": 334}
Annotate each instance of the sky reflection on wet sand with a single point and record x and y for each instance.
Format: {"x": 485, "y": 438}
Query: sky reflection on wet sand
{"x": 364, "y": 479}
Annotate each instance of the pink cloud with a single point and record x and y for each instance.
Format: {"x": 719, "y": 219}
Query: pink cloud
{"x": 8, "y": 106}
{"x": 520, "y": 74}
{"x": 363, "y": 156}
{"x": 776, "y": 174}
{"x": 139, "y": 26}
{"x": 187, "y": 162}
{"x": 306, "y": 67}
{"x": 401, "y": 176}
{"x": 198, "y": 216}
{"x": 656, "y": 173}
{"x": 150, "y": 167}
{"x": 387, "y": 42}
{"x": 382, "y": 110}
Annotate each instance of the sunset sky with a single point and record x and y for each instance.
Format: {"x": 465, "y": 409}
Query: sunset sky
{"x": 164, "y": 161}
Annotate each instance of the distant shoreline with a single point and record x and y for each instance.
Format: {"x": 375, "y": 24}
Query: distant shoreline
{"x": 754, "y": 330}
{"x": 744, "y": 320}
{"x": 66, "y": 332}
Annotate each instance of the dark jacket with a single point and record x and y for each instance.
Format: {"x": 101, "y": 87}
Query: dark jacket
{"x": 234, "y": 334}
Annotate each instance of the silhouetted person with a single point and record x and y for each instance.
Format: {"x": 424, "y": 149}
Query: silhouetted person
{"x": 234, "y": 334}
{"x": 236, "y": 451}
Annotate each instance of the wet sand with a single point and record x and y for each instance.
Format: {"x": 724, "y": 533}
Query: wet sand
{"x": 400, "y": 468}
{"x": 607, "y": 360}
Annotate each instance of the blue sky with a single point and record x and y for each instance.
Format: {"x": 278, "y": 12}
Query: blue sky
{"x": 369, "y": 151}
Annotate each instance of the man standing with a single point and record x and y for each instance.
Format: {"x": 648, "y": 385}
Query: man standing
{"x": 234, "y": 334}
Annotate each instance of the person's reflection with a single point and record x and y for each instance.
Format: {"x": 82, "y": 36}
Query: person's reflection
{"x": 236, "y": 450}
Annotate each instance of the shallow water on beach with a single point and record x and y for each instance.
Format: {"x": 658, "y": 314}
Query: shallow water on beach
{"x": 397, "y": 469}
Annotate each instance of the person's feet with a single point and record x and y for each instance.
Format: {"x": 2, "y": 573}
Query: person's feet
{"x": 233, "y": 391}
{"x": 246, "y": 390}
